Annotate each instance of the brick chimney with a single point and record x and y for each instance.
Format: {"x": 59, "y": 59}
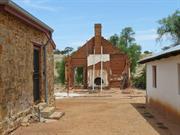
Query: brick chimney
{"x": 97, "y": 30}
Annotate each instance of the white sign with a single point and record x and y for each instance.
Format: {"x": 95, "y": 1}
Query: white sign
{"x": 96, "y": 58}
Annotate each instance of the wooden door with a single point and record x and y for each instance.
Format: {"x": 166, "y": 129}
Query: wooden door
{"x": 36, "y": 86}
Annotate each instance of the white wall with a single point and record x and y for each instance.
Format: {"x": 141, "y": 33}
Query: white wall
{"x": 167, "y": 90}
{"x": 96, "y": 58}
{"x": 97, "y": 74}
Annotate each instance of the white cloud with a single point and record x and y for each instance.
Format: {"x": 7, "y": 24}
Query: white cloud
{"x": 146, "y": 35}
{"x": 146, "y": 31}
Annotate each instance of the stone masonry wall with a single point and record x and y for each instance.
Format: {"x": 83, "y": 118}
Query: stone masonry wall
{"x": 16, "y": 70}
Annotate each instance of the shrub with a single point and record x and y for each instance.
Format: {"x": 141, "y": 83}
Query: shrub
{"x": 60, "y": 66}
{"x": 140, "y": 80}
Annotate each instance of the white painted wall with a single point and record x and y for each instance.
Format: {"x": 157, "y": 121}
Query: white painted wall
{"x": 97, "y": 74}
{"x": 167, "y": 90}
{"x": 96, "y": 58}
{"x": 92, "y": 60}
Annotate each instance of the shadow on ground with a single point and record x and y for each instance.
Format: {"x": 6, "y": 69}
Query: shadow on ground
{"x": 152, "y": 119}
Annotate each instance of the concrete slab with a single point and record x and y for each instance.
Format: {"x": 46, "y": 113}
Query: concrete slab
{"x": 56, "y": 115}
{"x": 46, "y": 112}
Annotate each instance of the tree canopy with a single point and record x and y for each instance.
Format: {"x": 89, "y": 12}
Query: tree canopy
{"x": 66, "y": 51}
{"x": 126, "y": 43}
{"x": 126, "y": 37}
{"x": 60, "y": 67}
{"x": 170, "y": 26}
{"x": 114, "y": 39}
{"x": 57, "y": 51}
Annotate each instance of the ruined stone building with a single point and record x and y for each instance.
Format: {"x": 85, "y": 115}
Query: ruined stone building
{"x": 99, "y": 62}
{"x": 26, "y": 64}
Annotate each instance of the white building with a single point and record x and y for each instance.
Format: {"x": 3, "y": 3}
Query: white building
{"x": 163, "y": 81}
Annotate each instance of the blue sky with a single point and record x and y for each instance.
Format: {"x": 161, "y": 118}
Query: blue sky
{"x": 73, "y": 20}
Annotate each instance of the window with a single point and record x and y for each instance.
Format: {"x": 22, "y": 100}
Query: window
{"x": 154, "y": 76}
{"x": 179, "y": 77}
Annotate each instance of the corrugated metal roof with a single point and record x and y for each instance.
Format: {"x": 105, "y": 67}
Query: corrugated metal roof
{"x": 17, "y": 7}
{"x": 164, "y": 54}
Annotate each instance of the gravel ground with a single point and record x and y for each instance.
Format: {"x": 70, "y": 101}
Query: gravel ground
{"x": 108, "y": 113}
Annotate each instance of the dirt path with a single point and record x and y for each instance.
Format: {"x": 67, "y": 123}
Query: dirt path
{"x": 114, "y": 114}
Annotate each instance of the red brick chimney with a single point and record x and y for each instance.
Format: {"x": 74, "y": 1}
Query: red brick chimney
{"x": 97, "y": 42}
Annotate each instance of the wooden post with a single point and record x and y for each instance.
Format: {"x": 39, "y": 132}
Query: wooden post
{"x": 101, "y": 66}
{"x": 93, "y": 69}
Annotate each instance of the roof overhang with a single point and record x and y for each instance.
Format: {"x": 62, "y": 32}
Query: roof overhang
{"x": 165, "y": 54}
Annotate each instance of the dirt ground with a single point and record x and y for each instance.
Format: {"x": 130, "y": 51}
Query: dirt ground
{"x": 107, "y": 113}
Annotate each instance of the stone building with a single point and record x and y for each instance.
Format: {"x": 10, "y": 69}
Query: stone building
{"x": 26, "y": 64}
{"x": 100, "y": 63}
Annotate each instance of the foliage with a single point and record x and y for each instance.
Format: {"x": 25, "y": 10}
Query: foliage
{"x": 170, "y": 26}
{"x": 166, "y": 48}
{"x": 126, "y": 37}
{"x": 60, "y": 66}
{"x": 114, "y": 40}
{"x": 79, "y": 75}
{"x": 140, "y": 80}
{"x": 57, "y": 51}
{"x": 134, "y": 53}
{"x": 67, "y": 50}
{"x": 147, "y": 52}
{"x": 126, "y": 43}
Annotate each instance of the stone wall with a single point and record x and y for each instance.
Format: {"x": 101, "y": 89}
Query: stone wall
{"x": 16, "y": 70}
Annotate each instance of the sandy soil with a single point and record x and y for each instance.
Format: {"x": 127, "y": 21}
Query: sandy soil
{"x": 108, "y": 113}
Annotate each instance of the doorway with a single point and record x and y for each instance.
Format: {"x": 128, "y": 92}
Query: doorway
{"x": 36, "y": 86}
{"x": 98, "y": 80}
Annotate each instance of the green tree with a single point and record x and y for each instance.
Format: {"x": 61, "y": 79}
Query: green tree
{"x": 79, "y": 75}
{"x": 67, "y": 50}
{"x": 126, "y": 37}
{"x": 60, "y": 66}
{"x": 114, "y": 39}
{"x": 134, "y": 53}
{"x": 140, "y": 81}
{"x": 126, "y": 43}
{"x": 57, "y": 51}
{"x": 166, "y": 47}
{"x": 170, "y": 26}
{"x": 147, "y": 52}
